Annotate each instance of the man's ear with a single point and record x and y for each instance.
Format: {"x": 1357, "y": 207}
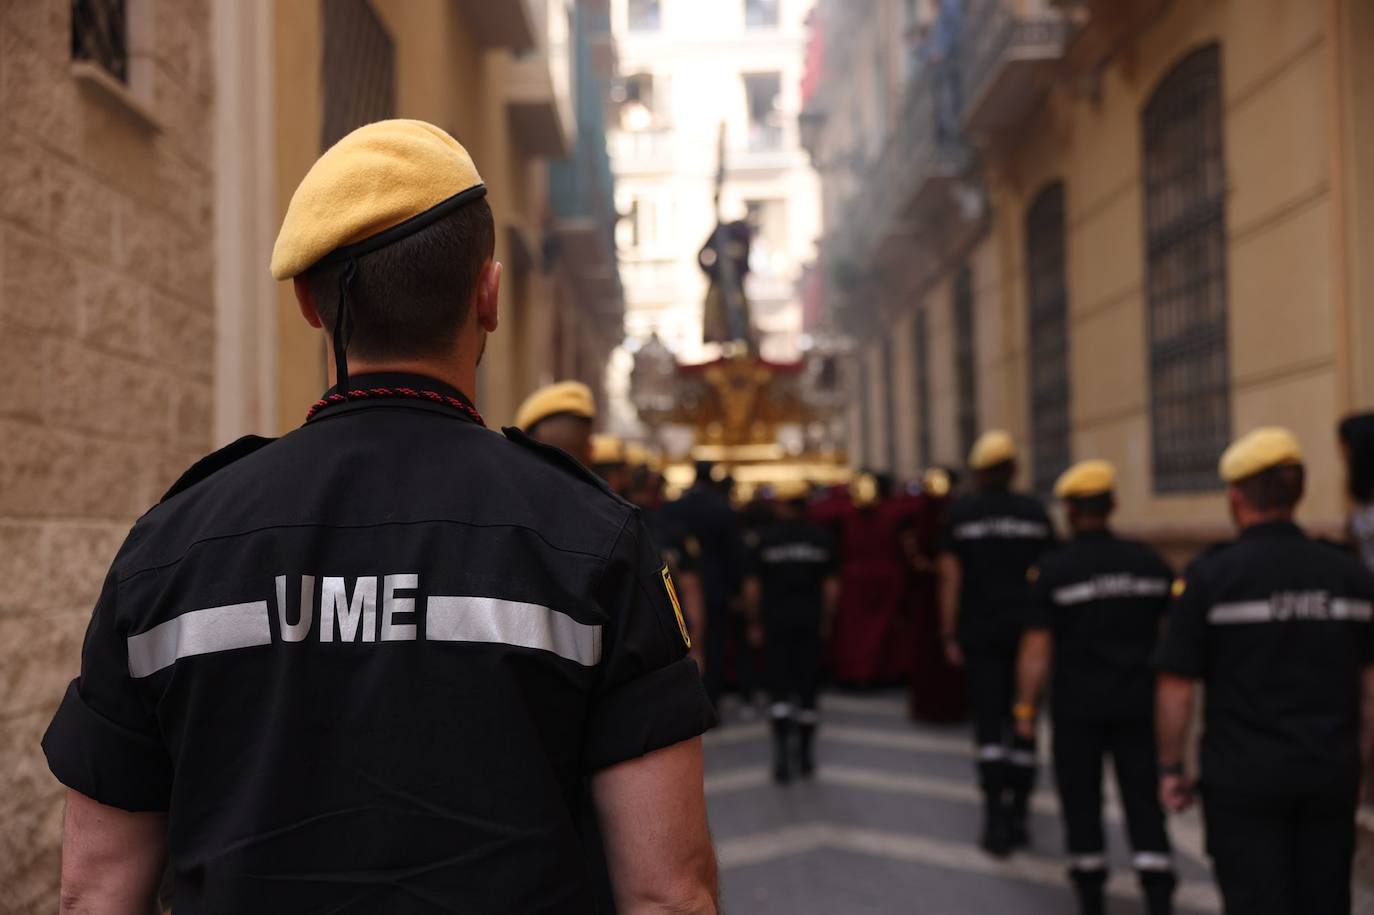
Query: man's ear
{"x": 486, "y": 301}
{"x": 306, "y": 300}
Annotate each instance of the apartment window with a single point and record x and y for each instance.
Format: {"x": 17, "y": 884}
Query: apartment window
{"x": 965, "y": 361}
{"x": 1185, "y": 247}
{"x": 100, "y": 34}
{"x": 1048, "y": 336}
{"x": 760, "y": 14}
{"x": 921, "y": 349}
{"x": 645, "y": 15}
{"x": 359, "y": 68}
{"x": 762, "y": 92}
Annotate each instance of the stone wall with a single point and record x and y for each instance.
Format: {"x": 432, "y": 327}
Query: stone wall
{"x": 107, "y": 352}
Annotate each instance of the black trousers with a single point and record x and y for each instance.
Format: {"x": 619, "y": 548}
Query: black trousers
{"x": 792, "y": 663}
{"x": 1002, "y": 762}
{"x": 1285, "y": 853}
{"x": 1079, "y": 748}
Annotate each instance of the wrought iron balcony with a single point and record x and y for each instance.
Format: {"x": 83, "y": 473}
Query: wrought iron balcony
{"x": 1010, "y": 48}
{"x": 924, "y": 155}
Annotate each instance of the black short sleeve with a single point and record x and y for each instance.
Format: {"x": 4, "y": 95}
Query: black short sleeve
{"x": 1184, "y": 648}
{"x": 650, "y": 694}
{"x": 104, "y": 740}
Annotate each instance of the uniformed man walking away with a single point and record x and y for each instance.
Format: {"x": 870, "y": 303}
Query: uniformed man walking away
{"x": 1278, "y": 629}
{"x": 990, "y": 538}
{"x": 791, "y": 593}
{"x": 1094, "y": 616}
{"x": 560, "y": 415}
{"x": 372, "y": 665}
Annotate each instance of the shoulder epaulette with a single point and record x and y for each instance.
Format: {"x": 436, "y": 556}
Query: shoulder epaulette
{"x": 214, "y": 462}
{"x": 562, "y": 459}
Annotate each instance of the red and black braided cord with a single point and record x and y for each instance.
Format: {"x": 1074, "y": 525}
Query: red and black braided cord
{"x": 461, "y": 406}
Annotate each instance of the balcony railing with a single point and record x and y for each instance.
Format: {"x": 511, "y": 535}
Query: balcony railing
{"x": 1009, "y": 47}
{"x": 921, "y": 154}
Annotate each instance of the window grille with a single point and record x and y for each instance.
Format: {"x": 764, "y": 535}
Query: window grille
{"x": 359, "y": 69}
{"x": 1185, "y": 247}
{"x": 1048, "y": 337}
{"x": 965, "y": 361}
{"x": 100, "y": 34}
{"x": 922, "y": 369}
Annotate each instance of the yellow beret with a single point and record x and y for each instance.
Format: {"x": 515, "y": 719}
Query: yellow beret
{"x": 863, "y": 490}
{"x": 572, "y": 397}
{"x": 992, "y": 448}
{"x": 1267, "y": 447}
{"x": 1086, "y": 478}
{"x": 936, "y": 482}
{"x": 607, "y": 449}
{"x": 380, "y": 183}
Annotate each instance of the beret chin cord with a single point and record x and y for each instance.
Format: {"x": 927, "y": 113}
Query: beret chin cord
{"x": 343, "y": 327}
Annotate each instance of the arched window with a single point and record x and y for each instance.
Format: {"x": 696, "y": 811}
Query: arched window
{"x": 1185, "y": 281}
{"x": 965, "y": 361}
{"x": 1048, "y": 336}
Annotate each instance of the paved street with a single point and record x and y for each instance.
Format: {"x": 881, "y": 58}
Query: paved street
{"x": 889, "y": 825}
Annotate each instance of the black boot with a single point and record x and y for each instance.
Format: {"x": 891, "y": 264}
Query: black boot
{"x": 1090, "y": 887}
{"x": 992, "y": 777}
{"x": 1158, "y": 889}
{"x": 1021, "y": 780}
{"x": 782, "y": 750}
{"x": 806, "y": 760}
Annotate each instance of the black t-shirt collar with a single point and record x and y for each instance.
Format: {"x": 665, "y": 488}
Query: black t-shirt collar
{"x": 391, "y": 381}
{"x": 1272, "y": 529}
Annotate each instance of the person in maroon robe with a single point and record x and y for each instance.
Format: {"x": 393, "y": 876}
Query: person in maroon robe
{"x": 936, "y": 694}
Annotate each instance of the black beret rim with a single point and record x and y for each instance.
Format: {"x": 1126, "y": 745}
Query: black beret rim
{"x": 402, "y": 229}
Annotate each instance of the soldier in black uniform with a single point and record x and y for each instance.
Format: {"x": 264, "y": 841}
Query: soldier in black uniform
{"x": 1278, "y": 628}
{"x": 990, "y": 538}
{"x": 1095, "y": 611}
{"x": 374, "y": 664}
{"x": 791, "y": 594}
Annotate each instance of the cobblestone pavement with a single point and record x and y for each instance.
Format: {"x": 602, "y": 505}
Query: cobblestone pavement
{"x": 889, "y": 824}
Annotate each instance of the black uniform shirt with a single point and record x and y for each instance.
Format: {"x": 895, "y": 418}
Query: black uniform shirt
{"x": 371, "y": 665}
{"x": 1278, "y": 627}
{"x": 792, "y": 560}
{"x": 1104, "y": 599}
{"x": 996, "y": 535}
{"x": 705, "y": 515}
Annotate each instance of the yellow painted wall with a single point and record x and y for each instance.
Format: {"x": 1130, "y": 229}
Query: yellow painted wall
{"x": 1285, "y": 333}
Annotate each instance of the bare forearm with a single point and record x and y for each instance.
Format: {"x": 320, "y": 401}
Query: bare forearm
{"x": 1173, "y": 714}
{"x": 951, "y": 582}
{"x": 1033, "y": 665}
{"x": 112, "y": 859}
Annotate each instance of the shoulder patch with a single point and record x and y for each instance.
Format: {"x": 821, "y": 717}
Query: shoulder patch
{"x": 668, "y": 586}
{"x": 562, "y": 459}
{"x": 1033, "y": 574}
{"x": 1179, "y": 586}
{"x": 214, "y": 462}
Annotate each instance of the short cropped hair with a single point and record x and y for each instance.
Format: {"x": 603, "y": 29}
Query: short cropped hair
{"x": 998, "y": 476}
{"x": 1275, "y": 489}
{"x": 1100, "y": 505}
{"x": 411, "y": 297}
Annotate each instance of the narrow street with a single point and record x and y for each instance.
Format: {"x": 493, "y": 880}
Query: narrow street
{"x": 889, "y": 825}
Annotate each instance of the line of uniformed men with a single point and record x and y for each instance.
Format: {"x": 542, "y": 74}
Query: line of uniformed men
{"x": 1276, "y": 626}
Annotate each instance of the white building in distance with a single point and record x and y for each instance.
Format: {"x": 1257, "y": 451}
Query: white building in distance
{"x": 690, "y": 66}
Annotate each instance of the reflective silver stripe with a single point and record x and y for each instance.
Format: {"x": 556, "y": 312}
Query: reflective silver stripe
{"x": 1246, "y": 611}
{"x": 1005, "y": 527}
{"x": 1345, "y": 608}
{"x": 199, "y": 632}
{"x": 1109, "y": 586}
{"x": 991, "y": 752}
{"x": 1088, "y": 862}
{"x": 780, "y": 710}
{"x": 1152, "y": 861}
{"x": 509, "y": 622}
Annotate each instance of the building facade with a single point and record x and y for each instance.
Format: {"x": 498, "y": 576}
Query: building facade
{"x": 692, "y": 69}
{"x": 150, "y": 148}
{"x": 1126, "y": 230}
